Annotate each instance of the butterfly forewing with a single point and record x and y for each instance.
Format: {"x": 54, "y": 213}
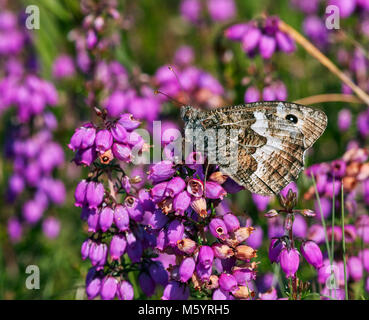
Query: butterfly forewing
{"x": 272, "y": 140}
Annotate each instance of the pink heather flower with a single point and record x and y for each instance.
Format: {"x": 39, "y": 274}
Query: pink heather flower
{"x": 252, "y": 94}
{"x": 221, "y": 10}
{"x": 251, "y": 39}
{"x": 175, "y": 291}
{"x": 63, "y": 67}
{"x": 93, "y": 221}
{"x": 161, "y": 171}
{"x": 344, "y": 119}
{"x": 214, "y": 190}
{"x": 184, "y": 56}
{"x": 118, "y": 246}
{"x": 190, "y": 10}
{"x": 244, "y": 276}
{"x": 337, "y": 233}
{"x": 158, "y": 191}
{"x": 121, "y": 218}
{"x": 364, "y": 257}
{"x": 119, "y": 133}
{"x": 291, "y": 186}
{"x": 284, "y": 42}
{"x": 125, "y": 291}
{"x": 109, "y": 288}
{"x": 261, "y": 202}
{"x": 312, "y": 253}
{"x": 206, "y": 256}
{"x": 106, "y": 218}
{"x": 218, "y": 228}
{"x": 94, "y": 194}
{"x": 236, "y": 31}
{"x": 186, "y": 245}
{"x": 122, "y": 152}
{"x": 355, "y": 268}
{"x": 33, "y": 211}
{"x": 158, "y": 220}
{"x": 93, "y": 288}
{"x": 289, "y": 261}
{"x": 51, "y": 227}
{"x": 195, "y": 187}
{"x": 91, "y": 39}
{"x": 268, "y": 94}
{"x": 231, "y": 221}
{"x": 116, "y": 103}
{"x": 255, "y": 239}
{"x": 346, "y": 7}
{"x": 80, "y": 193}
{"x": 299, "y": 227}
{"x": 181, "y": 202}
{"x": 175, "y": 232}
{"x": 186, "y": 269}
{"x": 85, "y": 157}
{"x": 228, "y": 283}
{"x": 134, "y": 208}
{"x": 316, "y": 233}
{"x": 14, "y": 229}
{"x": 158, "y": 273}
{"x": 220, "y": 294}
{"x": 103, "y": 140}
{"x": 325, "y": 205}
{"x": 85, "y": 249}
{"x": 271, "y": 294}
{"x": 147, "y": 284}
{"x": 275, "y": 249}
{"x": 129, "y": 122}
{"x": 202, "y": 272}
{"x": 175, "y": 186}
{"x": 267, "y": 46}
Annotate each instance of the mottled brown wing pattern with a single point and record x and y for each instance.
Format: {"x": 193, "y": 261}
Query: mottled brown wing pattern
{"x": 271, "y": 145}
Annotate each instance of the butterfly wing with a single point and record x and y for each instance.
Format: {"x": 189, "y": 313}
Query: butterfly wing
{"x": 272, "y": 141}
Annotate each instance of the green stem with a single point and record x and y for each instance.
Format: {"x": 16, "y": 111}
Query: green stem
{"x": 343, "y": 240}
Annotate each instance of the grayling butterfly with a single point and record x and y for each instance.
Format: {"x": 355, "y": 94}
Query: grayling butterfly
{"x": 271, "y": 141}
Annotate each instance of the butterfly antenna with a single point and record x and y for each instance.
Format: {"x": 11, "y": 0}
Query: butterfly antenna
{"x": 169, "y": 97}
{"x": 188, "y": 98}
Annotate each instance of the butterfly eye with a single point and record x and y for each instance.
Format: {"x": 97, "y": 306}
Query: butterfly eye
{"x": 291, "y": 118}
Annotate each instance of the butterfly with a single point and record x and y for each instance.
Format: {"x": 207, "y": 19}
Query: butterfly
{"x": 273, "y": 138}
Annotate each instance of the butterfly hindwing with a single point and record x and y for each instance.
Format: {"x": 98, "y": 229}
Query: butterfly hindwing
{"x": 273, "y": 137}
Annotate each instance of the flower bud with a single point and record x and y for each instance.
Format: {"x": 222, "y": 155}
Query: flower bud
{"x": 222, "y": 251}
{"x": 289, "y": 261}
{"x": 218, "y": 228}
{"x": 275, "y": 249}
{"x": 227, "y": 282}
{"x": 199, "y": 206}
{"x": 122, "y": 152}
{"x": 109, "y": 288}
{"x": 181, "y": 202}
{"x": 214, "y": 190}
{"x": 206, "y": 256}
{"x": 118, "y": 246}
{"x": 119, "y": 133}
{"x": 243, "y": 292}
{"x": 147, "y": 284}
{"x": 125, "y": 291}
{"x": 93, "y": 288}
{"x": 121, "y": 218}
{"x": 94, "y": 194}
{"x": 311, "y": 252}
{"x": 186, "y": 269}
{"x": 80, "y": 193}
{"x": 244, "y": 252}
{"x": 175, "y": 232}
{"x": 231, "y": 221}
{"x": 128, "y": 122}
{"x": 161, "y": 171}
{"x": 175, "y": 291}
{"x": 103, "y": 140}
{"x": 106, "y": 218}
{"x": 186, "y": 245}
{"x": 175, "y": 186}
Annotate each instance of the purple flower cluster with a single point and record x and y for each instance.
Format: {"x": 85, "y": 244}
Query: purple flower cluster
{"x": 262, "y": 37}
{"x": 188, "y": 80}
{"x": 218, "y": 10}
{"x": 272, "y": 92}
{"x": 29, "y": 142}
{"x": 182, "y": 223}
